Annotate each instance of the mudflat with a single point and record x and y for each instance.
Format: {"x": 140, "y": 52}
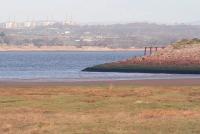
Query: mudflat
{"x": 144, "y": 82}
{"x": 110, "y": 107}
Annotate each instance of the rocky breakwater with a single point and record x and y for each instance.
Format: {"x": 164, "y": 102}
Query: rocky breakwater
{"x": 182, "y": 57}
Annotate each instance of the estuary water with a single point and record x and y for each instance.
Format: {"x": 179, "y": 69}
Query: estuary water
{"x": 67, "y": 66}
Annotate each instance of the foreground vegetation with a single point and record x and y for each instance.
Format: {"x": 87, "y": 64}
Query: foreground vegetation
{"x": 100, "y": 109}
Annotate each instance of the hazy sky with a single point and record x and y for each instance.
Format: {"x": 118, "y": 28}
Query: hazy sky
{"x": 161, "y": 11}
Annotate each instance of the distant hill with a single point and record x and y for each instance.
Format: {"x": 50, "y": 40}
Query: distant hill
{"x": 194, "y": 23}
{"x": 180, "y": 57}
{"x": 111, "y": 36}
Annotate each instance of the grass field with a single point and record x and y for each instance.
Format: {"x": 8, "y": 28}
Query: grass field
{"x": 100, "y": 109}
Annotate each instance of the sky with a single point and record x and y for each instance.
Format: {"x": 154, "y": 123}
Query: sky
{"x": 102, "y": 11}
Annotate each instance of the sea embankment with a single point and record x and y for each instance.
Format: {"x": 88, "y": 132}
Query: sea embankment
{"x": 182, "y": 57}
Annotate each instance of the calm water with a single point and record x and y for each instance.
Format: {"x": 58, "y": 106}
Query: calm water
{"x": 67, "y": 66}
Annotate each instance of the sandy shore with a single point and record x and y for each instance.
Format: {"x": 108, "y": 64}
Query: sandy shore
{"x": 4, "y": 48}
{"x": 158, "y": 82}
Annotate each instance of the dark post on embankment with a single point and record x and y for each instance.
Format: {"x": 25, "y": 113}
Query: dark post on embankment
{"x": 150, "y": 50}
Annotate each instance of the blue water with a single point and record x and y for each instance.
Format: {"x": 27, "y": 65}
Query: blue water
{"x": 67, "y": 66}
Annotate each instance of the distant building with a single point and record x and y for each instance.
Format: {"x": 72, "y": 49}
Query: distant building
{"x": 67, "y": 32}
{"x": 32, "y": 24}
{"x": 2, "y": 25}
{"x": 29, "y": 24}
{"x": 46, "y": 23}
{"x": 68, "y": 21}
{"x": 10, "y": 25}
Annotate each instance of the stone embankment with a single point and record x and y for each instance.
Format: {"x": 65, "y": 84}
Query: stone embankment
{"x": 181, "y": 57}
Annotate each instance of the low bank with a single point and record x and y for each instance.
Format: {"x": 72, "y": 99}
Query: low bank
{"x": 182, "y": 57}
{"x": 144, "y": 69}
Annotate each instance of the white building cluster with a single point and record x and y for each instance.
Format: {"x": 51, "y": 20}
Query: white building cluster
{"x": 32, "y": 24}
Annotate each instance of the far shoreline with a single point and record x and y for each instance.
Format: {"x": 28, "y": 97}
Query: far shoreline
{"x": 46, "y": 48}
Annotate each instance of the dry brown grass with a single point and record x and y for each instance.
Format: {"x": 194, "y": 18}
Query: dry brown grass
{"x": 100, "y": 109}
{"x": 166, "y": 114}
